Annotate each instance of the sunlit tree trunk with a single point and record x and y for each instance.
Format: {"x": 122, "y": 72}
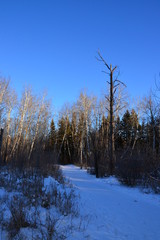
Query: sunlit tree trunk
{"x": 23, "y": 111}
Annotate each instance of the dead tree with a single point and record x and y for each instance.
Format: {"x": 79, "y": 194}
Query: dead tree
{"x": 113, "y": 83}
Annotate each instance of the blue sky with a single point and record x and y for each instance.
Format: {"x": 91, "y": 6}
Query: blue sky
{"x": 51, "y": 45}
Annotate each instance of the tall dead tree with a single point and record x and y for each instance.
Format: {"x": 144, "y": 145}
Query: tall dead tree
{"x": 113, "y": 83}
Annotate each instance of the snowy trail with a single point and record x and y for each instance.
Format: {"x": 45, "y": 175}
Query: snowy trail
{"x": 116, "y": 212}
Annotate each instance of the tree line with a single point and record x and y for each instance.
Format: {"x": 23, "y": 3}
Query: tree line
{"x": 104, "y": 134}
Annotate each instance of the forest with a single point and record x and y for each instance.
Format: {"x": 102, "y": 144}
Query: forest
{"x": 79, "y": 120}
{"x": 108, "y": 136}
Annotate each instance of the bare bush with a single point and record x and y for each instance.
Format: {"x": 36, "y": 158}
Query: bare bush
{"x": 31, "y": 192}
{"x": 139, "y": 168}
{"x": 130, "y": 170}
{"x": 18, "y": 218}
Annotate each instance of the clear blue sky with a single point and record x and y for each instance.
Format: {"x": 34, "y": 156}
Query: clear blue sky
{"x": 52, "y": 44}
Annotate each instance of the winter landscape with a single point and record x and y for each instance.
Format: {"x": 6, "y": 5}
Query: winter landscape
{"x": 102, "y": 209}
{"x": 79, "y": 120}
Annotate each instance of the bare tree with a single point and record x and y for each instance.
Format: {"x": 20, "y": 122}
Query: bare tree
{"x": 21, "y": 119}
{"x": 150, "y": 109}
{"x": 85, "y": 111}
{"x": 138, "y": 115}
{"x": 7, "y": 102}
{"x": 29, "y": 127}
{"x": 114, "y": 84}
{"x": 11, "y": 104}
{"x": 65, "y": 134}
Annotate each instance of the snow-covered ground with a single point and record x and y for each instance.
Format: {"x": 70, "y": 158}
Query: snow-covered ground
{"x": 112, "y": 211}
{"x": 36, "y": 208}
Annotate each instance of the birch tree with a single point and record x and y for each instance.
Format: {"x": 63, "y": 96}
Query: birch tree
{"x": 7, "y": 103}
{"x": 150, "y": 109}
{"x": 22, "y": 111}
{"x": 85, "y": 111}
{"x": 11, "y": 104}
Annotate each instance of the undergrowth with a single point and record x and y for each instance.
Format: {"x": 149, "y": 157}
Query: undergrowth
{"x": 36, "y": 204}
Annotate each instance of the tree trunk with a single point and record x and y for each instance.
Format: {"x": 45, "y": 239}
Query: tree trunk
{"x": 154, "y": 138}
{"x": 81, "y": 147}
{"x": 1, "y": 139}
{"x": 113, "y": 88}
{"x": 112, "y": 157}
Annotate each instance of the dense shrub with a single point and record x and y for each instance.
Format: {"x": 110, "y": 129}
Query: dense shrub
{"x": 129, "y": 170}
{"x": 139, "y": 169}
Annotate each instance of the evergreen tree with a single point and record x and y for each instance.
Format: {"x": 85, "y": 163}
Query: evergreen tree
{"x": 118, "y": 134}
{"x": 64, "y": 141}
{"x": 60, "y": 139}
{"x": 69, "y": 141}
{"x": 104, "y": 133}
{"x": 142, "y": 135}
{"x": 126, "y": 128}
{"x": 52, "y": 136}
{"x": 134, "y": 127}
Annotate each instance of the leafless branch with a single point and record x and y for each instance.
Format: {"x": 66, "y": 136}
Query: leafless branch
{"x": 107, "y": 98}
{"x": 116, "y": 80}
{"x": 116, "y": 85}
{"x": 119, "y": 108}
{"x": 106, "y": 72}
{"x": 114, "y": 68}
{"x": 107, "y": 109}
{"x": 102, "y": 59}
{"x": 114, "y": 91}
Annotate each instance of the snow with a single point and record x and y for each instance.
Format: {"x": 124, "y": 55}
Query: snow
{"x": 112, "y": 211}
{"x": 108, "y": 210}
{"x": 51, "y": 210}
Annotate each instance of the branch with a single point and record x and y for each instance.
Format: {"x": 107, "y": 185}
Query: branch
{"x": 114, "y": 91}
{"x": 120, "y": 82}
{"x": 107, "y": 109}
{"x": 106, "y": 72}
{"x": 114, "y": 68}
{"x": 118, "y": 108}
{"x": 101, "y": 59}
{"x": 107, "y": 98}
{"x": 116, "y": 85}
